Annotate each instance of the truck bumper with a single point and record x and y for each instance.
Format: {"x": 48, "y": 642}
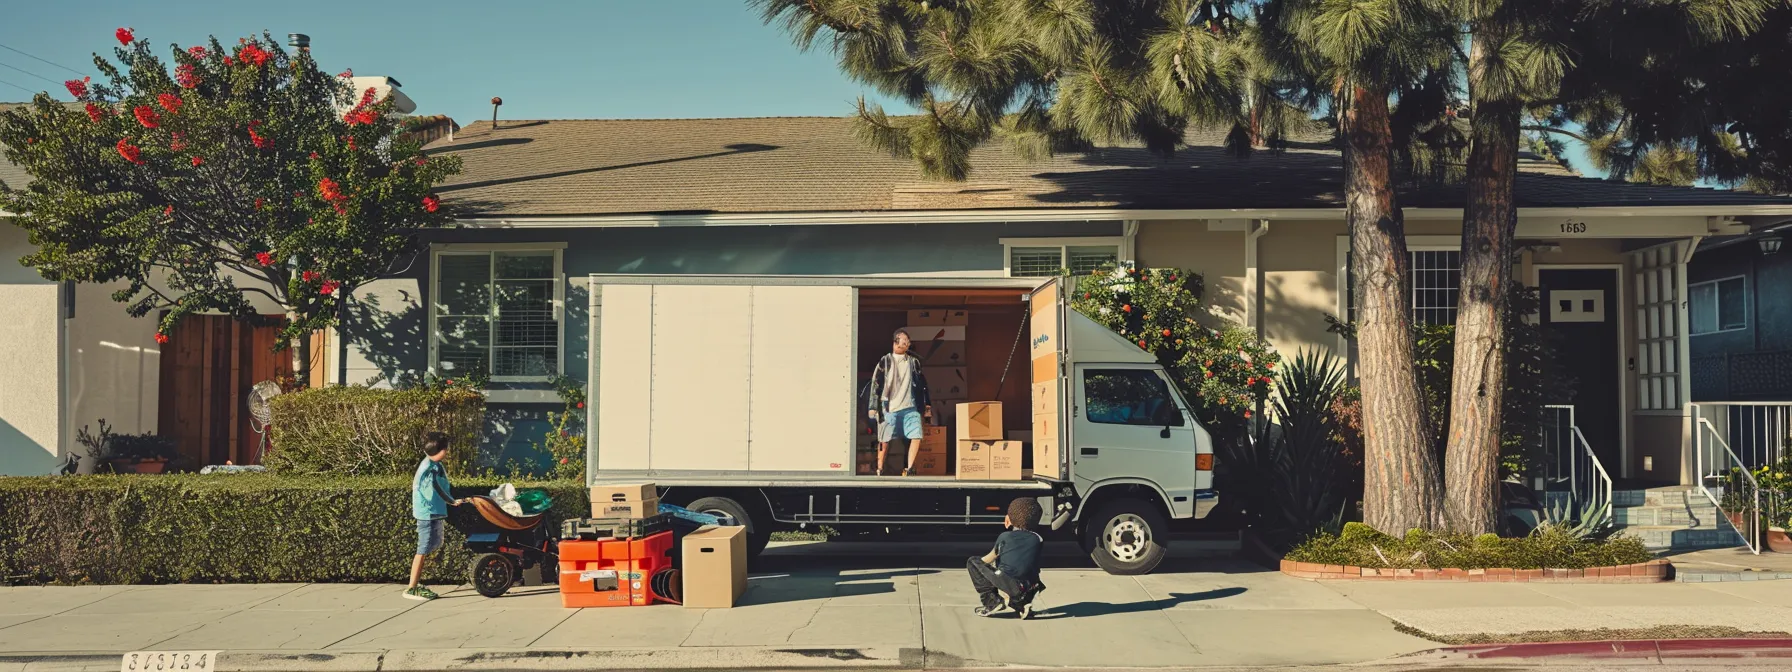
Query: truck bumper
{"x": 1205, "y": 501}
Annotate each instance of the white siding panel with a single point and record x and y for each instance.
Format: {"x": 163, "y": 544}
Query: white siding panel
{"x": 624, "y": 401}
{"x": 702, "y": 368}
{"x": 802, "y": 394}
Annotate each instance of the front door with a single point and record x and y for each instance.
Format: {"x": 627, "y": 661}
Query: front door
{"x": 1129, "y": 426}
{"x": 1580, "y": 309}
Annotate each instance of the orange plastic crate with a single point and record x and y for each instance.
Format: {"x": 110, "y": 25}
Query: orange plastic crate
{"x": 632, "y": 560}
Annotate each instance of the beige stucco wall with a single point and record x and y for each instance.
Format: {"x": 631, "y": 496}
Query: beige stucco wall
{"x": 31, "y": 374}
{"x": 1217, "y": 255}
{"x": 114, "y": 364}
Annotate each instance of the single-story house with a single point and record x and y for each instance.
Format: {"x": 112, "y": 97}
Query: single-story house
{"x": 547, "y": 203}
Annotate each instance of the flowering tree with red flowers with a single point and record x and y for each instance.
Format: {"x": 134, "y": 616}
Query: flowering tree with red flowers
{"x": 219, "y": 175}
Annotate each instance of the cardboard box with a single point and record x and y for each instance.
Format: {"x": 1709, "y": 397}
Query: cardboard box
{"x": 919, "y": 334}
{"x": 932, "y": 463}
{"x": 972, "y": 461}
{"x": 1045, "y": 397}
{"x": 927, "y": 317}
{"x": 946, "y": 383}
{"x": 1045, "y": 457}
{"x": 1004, "y": 460}
{"x": 980, "y": 421}
{"x": 941, "y": 353}
{"x": 957, "y": 317}
{"x": 933, "y": 440}
{"x": 632, "y": 509}
{"x": 629, "y": 492}
{"x": 714, "y": 566}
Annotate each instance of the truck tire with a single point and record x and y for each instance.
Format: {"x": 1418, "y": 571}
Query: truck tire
{"x": 723, "y": 506}
{"x": 1125, "y": 537}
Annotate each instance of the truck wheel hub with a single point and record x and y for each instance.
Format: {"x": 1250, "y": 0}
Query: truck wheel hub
{"x": 1126, "y": 537}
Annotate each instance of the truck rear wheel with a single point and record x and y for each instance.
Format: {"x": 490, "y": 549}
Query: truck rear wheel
{"x": 1125, "y": 537}
{"x": 757, "y": 537}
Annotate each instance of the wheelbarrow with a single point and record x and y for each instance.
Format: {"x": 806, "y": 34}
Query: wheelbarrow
{"x": 504, "y": 545}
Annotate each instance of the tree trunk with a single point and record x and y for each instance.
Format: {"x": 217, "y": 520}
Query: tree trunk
{"x": 301, "y": 357}
{"x": 1477, "y": 386}
{"x": 1402, "y": 489}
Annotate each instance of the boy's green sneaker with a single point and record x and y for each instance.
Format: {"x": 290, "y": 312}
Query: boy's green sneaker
{"x": 420, "y": 593}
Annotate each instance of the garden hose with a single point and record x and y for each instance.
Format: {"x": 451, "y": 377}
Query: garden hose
{"x": 666, "y": 586}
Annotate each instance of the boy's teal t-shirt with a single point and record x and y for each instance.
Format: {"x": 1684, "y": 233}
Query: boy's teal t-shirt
{"x": 429, "y": 491}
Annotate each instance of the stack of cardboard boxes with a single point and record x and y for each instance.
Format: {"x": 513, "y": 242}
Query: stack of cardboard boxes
{"x": 637, "y": 500}
{"x": 936, "y": 337}
{"x": 984, "y": 453}
{"x": 618, "y": 568}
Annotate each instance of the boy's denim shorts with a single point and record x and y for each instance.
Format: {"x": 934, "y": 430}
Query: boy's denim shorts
{"x": 909, "y": 419}
{"x": 429, "y": 535}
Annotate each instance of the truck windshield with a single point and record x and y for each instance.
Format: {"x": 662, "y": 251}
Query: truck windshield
{"x": 1128, "y": 397}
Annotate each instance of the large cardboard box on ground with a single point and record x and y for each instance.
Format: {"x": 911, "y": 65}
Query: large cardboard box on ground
{"x": 946, "y": 383}
{"x": 980, "y": 421}
{"x": 972, "y": 461}
{"x": 640, "y": 508}
{"x": 1003, "y": 460}
{"x": 714, "y": 566}
{"x": 630, "y": 492}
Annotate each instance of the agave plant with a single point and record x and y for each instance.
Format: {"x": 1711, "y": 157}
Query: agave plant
{"x": 1590, "y": 524}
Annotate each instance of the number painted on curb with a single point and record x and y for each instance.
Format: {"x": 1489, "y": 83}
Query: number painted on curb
{"x": 168, "y": 661}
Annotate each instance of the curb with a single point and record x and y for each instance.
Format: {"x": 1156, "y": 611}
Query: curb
{"x": 543, "y": 660}
{"x": 1653, "y": 571}
{"x": 1657, "y": 650}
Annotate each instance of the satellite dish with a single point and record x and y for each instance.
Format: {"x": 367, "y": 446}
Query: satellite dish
{"x": 261, "y": 412}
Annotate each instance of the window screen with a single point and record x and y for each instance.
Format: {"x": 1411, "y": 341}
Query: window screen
{"x": 1027, "y": 262}
{"x": 496, "y": 314}
{"x": 1719, "y": 305}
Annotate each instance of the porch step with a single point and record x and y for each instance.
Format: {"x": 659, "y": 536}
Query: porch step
{"x": 1674, "y": 518}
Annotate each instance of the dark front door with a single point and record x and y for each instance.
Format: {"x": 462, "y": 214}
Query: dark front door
{"x": 1580, "y": 309}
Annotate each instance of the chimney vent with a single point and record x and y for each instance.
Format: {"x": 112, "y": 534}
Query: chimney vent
{"x": 298, "y": 40}
{"x": 496, "y": 101}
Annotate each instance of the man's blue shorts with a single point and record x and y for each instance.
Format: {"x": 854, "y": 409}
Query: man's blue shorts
{"x": 429, "y": 536}
{"x": 910, "y": 421}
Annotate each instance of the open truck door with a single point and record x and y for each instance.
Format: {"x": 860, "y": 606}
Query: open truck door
{"x": 1047, "y": 306}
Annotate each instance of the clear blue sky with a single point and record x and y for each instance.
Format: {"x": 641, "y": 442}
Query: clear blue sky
{"x": 548, "y": 60}
{"x": 606, "y": 59}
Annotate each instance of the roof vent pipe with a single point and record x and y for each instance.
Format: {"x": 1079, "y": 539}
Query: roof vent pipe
{"x": 496, "y": 101}
{"x": 298, "y": 40}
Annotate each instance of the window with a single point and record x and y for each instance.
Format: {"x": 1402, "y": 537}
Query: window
{"x": 1128, "y": 397}
{"x": 1436, "y": 280}
{"x": 1660, "y": 273}
{"x": 1044, "y": 257}
{"x": 1718, "y": 305}
{"x": 497, "y": 312}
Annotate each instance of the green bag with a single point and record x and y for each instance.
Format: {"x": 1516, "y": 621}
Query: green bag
{"x": 533, "y": 501}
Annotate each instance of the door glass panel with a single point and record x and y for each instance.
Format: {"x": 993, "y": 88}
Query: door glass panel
{"x": 1128, "y": 397}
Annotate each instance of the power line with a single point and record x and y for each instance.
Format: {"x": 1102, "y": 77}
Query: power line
{"x": 59, "y": 65}
{"x": 21, "y": 88}
{"x": 28, "y": 72}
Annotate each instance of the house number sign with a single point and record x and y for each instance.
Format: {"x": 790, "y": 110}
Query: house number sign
{"x": 1571, "y": 226}
{"x": 169, "y": 661}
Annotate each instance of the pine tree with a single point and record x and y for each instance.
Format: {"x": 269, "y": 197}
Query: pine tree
{"x": 235, "y": 173}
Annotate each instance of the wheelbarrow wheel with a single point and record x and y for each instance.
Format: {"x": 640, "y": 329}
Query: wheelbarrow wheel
{"x": 492, "y": 574}
{"x": 550, "y": 569}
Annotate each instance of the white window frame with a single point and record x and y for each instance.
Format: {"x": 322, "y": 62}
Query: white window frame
{"x": 1717, "y": 287}
{"x": 1123, "y": 252}
{"x": 438, "y": 250}
{"x": 1341, "y": 281}
{"x": 1658, "y": 276}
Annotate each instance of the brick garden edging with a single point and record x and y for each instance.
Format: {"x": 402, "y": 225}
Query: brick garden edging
{"x": 1653, "y": 571}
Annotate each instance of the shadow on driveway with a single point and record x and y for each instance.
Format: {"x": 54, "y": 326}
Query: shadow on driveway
{"x": 1089, "y": 609}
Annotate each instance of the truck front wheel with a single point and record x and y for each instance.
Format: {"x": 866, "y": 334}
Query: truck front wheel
{"x": 1125, "y": 537}
{"x": 757, "y": 537}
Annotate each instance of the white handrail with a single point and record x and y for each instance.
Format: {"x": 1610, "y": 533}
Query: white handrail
{"x": 1603, "y": 501}
{"x": 1589, "y": 492}
{"x": 1751, "y": 516}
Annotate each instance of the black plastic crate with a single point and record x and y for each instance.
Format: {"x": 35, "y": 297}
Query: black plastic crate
{"x": 588, "y": 529}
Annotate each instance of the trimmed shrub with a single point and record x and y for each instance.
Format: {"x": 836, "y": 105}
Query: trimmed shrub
{"x": 1547, "y": 548}
{"x": 232, "y": 528}
{"x": 363, "y": 431}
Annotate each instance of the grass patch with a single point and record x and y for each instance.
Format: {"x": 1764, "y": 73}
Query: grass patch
{"x": 1549, "y": 548}
{"x": 1598, "y": 635}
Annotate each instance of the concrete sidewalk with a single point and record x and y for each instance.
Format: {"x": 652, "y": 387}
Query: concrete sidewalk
{"x": 807, "y": 607}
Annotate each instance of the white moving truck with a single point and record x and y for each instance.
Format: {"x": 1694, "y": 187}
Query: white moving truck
{"x": 740, "y": 395}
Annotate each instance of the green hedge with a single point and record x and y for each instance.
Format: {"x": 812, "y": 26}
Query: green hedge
{"x": 230, "y": 528}
{"x": 365, "y": 431}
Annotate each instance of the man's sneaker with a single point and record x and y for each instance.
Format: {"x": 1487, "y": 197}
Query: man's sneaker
{"x": 989, "y": 611}
{"x": 420, "y": 593}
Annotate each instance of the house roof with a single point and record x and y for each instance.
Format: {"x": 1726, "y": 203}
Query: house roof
{"x": 814, "y": 164}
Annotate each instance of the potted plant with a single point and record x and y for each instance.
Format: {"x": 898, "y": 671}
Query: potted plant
{"x": 142, "y": 453}
{"x": 95, "y": 457}
{"x": 1776, "y": 496}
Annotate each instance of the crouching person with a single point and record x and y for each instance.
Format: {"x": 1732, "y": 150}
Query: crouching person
{"x": 1007, "y": 579}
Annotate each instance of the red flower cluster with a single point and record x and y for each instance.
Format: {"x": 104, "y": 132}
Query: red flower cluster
{"x": 129, "y": 151}
{"x": 179, "y": 142}
{"x": 258, "y": 203}
{"x": 94, "y": 112}
{"x": 264, "y": 258}
{"x": 161, "y": 337}
{"x": 359, "y": 114}
{"x": 186, "y": 75}
{"x": 77, "y": 87}
{"x": 168, "y": 211}
{"x": 125, "y": 36}
{"x": 345, "y": 74}
{"x": 147, "y": 116}
{"x": 331, "y": 192}
{"x": 329, "y": 288}
{"x": 308, "y": 276}
{"x": 170, "y": 102}
{"x": 228, "y": 61}
{"x": 197, "y": 161}
{"x": 196, "y": 51}
{"x": 314, "y": 155}
{"x": 260, "y": 142}
{"x": 431, "y": 203}
{"x": 253, "y": 54}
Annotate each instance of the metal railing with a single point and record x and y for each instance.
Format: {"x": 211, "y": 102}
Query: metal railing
{"x": 1573, "y": 472}
{"x": 1725, "y": 476}
{"x": 1757, "y": 431}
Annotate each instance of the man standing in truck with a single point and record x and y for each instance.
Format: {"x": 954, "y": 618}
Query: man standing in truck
{"x": 899, "y": 401}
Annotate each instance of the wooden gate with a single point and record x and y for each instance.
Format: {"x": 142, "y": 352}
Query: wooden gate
{"x": 208, "y": 366}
